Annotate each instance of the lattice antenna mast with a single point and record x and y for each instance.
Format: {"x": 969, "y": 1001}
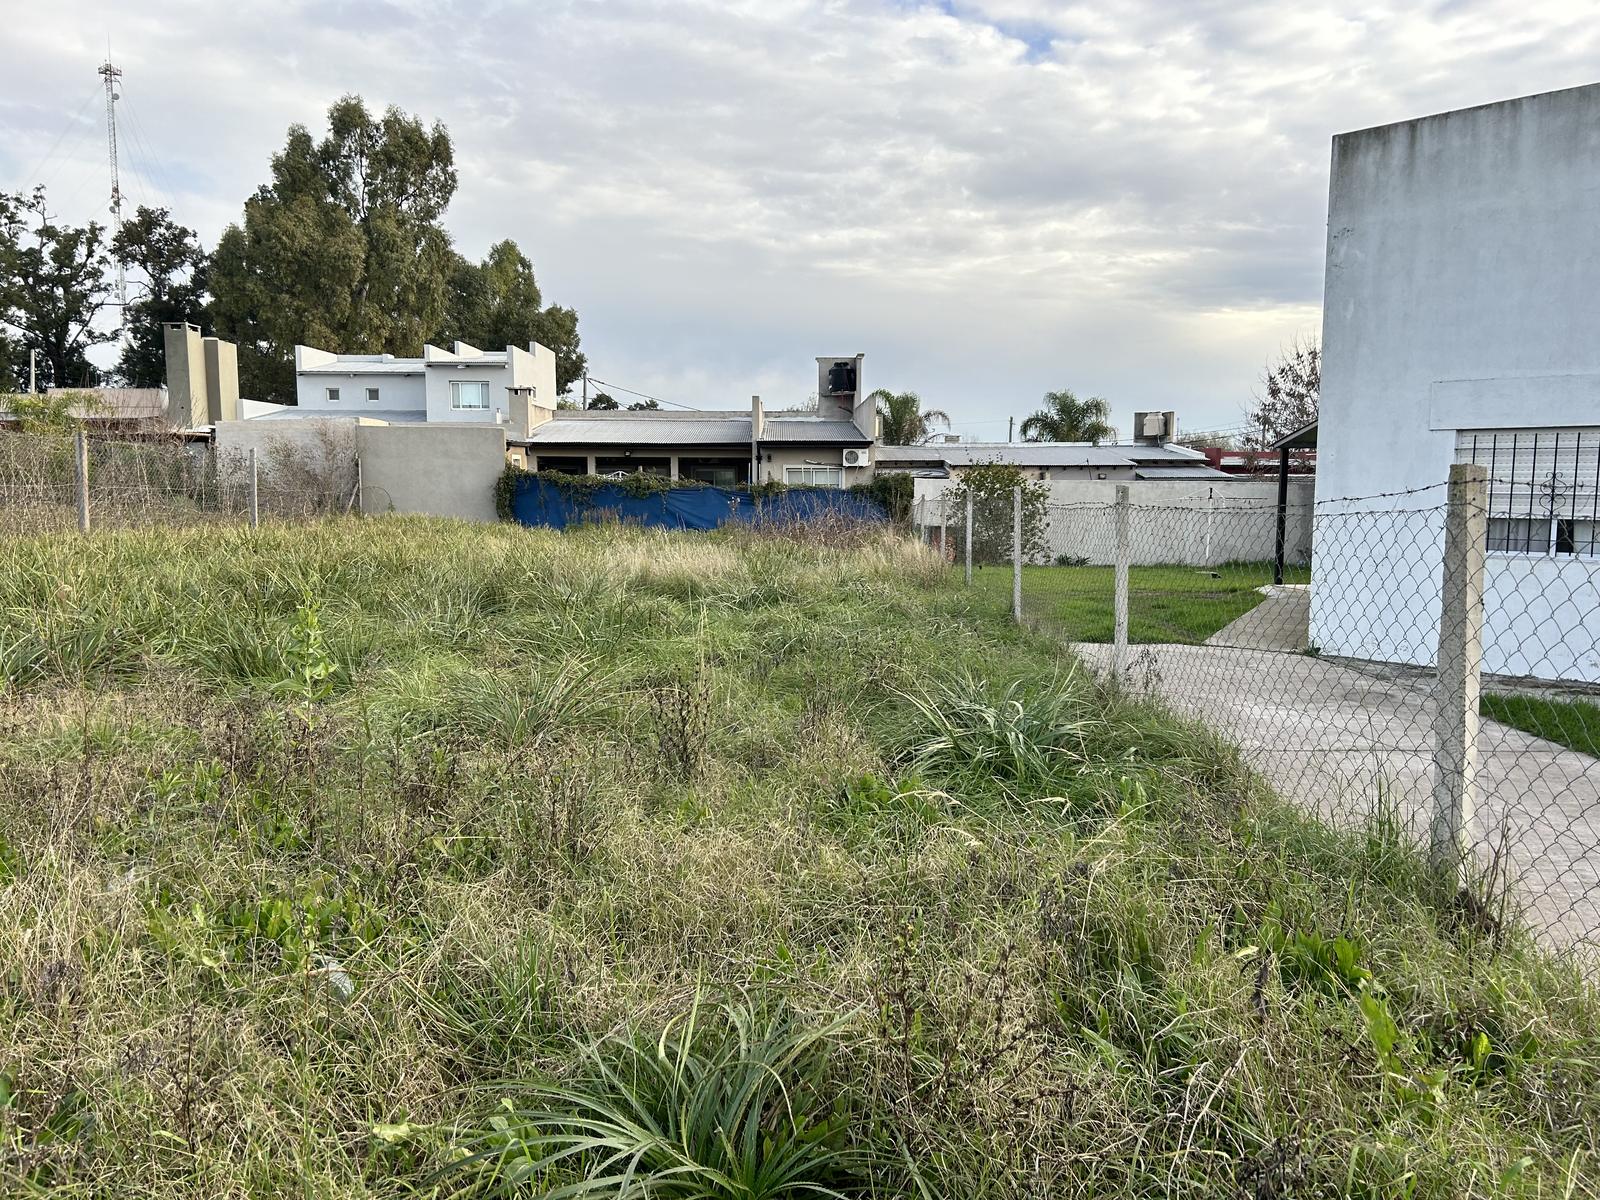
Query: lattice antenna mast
{"x": 112, "y": 75}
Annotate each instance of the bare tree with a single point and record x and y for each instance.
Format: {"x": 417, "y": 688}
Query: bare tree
{"x": 1289, "y": 392}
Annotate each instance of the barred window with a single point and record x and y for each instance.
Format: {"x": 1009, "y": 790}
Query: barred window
{"x": 1544, "y": 488}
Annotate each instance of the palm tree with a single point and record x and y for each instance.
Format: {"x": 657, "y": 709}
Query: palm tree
{"x": 901, "y": 420}
{"x": 1065, "y": 418}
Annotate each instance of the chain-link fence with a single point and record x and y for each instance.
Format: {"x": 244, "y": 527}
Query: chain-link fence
{"x": 51, "y": 482}
{"x": 1312, "y": 637}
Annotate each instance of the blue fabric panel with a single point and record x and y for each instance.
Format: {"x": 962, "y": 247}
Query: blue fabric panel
{"x": 539, "y": 502}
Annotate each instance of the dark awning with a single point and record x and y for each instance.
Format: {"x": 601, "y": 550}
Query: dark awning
{"x": 1304, "y": 438}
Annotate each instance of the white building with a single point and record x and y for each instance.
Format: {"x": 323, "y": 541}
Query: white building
{"x": 463, "y": 383}
{"x": 1459, "y": 324}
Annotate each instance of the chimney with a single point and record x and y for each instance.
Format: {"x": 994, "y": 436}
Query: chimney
{"x": 222, "y": 380}
{"x": 186, "y": 375}
{"x": 527, "y": 413}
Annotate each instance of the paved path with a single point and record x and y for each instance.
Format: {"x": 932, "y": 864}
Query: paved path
{"x": 1334, "y": 739}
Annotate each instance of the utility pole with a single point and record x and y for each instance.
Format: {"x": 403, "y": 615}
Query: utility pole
{"x": 33, "y": 372}
{"x": 1011, "y": 427}
{"x": 112, "y": 74}
{"x": 585, "y": 391}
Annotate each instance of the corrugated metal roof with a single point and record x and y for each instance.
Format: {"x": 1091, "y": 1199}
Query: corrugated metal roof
{"x": 687, "y": 429}
{"x": 798, "y": 429}
{"x": 1180, "y": 473}
{"x": 1039, "y": 454}
{"x": 118, "y": 404}
{"x": 636, "y": 430}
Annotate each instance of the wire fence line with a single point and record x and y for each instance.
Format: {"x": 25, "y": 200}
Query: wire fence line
{"x": 1393, "y": 664}
{"x": 55, "y": 482}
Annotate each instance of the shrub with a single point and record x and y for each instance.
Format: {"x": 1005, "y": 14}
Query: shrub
{"x": 731, "y": 1103}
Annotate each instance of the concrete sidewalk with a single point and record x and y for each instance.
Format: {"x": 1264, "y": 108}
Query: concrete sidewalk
{"x": 1334, "y": 739}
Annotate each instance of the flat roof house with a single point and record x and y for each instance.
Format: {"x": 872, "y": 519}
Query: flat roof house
{"x": 462, "y": 383}
{"x": 829, "y": 448}
{"x": 1463, "y": 263}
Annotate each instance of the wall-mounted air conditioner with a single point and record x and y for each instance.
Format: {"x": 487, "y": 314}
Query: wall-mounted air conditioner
{"x": 858, "y": 458}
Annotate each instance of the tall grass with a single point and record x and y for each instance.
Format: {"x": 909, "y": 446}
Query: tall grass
{"x": 320, "y": 847}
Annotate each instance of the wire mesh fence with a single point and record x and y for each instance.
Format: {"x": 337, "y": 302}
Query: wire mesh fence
{"x": 1312, "y": 640}
{"x": 55, "y": 482}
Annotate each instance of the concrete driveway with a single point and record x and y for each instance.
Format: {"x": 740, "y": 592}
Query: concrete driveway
{"x": 1335, "y": 739}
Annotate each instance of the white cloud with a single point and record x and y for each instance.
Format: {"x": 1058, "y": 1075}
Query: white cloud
{"x": 988, "y": 197}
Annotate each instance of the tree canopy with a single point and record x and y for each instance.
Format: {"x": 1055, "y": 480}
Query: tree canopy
{"x": 1290, "y": 392}
{"x": 344, "y": 249}
{"x": 497, "y": 303}
{"x": 167, "y": 276}
{"x": 1065, "y": 418}
{"x": 902, "y": 420}
{"x": 53, "y": 288}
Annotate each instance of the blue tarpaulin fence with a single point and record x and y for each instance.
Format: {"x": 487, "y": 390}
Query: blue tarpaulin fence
{"x": 538, "y": 501}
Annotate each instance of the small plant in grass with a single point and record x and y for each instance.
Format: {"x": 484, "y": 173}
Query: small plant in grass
{"x": 308, "y": 668}
{"x": 681, "y": 713}
{"x": 729, "y": 1102}
{"x": 1021, "y": 734}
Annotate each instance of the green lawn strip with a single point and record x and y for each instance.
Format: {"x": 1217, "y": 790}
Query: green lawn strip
{"x": 1166, "y": 604}
{"x": 1574, "y": 724}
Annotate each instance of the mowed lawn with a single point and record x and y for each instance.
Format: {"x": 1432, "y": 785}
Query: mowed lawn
{"x": 1574, "y": 724}
{"x": 1167, "y": 604}
{"x": 390, "y": 858}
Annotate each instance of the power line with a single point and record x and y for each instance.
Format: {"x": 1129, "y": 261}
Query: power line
{"x": 72, "y": 123}
{"x": 644, "y": 395}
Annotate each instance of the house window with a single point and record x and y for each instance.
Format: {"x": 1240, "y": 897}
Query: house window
{"x": 372, "y": 395}
{"x": 832, "y": 477}
{"x": 333, "y": 395}
{"x": 1544, "y": 489}
{"x": 469, "y": 395}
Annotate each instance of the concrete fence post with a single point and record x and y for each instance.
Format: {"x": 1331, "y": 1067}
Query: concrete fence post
{"x": 81, "y": 463}
{"x": 968, "y": 537}
{"x": 1016, "y": 554}
{"x": 1119, "y": 640}
{"x": 255, "y": 492}
{"x": 1455, "y": 719}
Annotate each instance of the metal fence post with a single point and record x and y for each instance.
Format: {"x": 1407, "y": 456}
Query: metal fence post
{"x": 81, "y": 459}
{"x": 1016, "y": 554}
{"x": 1119, "y": 641}
{"x": 944, "y": 529}
{"x": 968, "y": 537}
{"x": 1455, "y": 720}
{"x": 255, "y": 492}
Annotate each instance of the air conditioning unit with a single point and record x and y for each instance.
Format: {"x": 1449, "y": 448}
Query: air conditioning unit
{"x": 858, "y": 458}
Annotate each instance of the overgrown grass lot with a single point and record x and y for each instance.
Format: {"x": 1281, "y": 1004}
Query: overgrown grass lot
{"x": 394, "y": 858}
{"x": 1574, "y": 724}
{"x": 1166, "y": 605}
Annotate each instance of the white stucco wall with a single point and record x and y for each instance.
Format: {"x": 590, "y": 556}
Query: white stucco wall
{"x": 423, "y": 469}
{"x": 1463, "y": 259}
{"x": 1194, "y": 524}
{"x": 395, "y": 393}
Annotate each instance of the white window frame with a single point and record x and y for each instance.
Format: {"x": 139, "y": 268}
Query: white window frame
{"x": 372, "y": 395}
{"x": 803, "y": 476}
{"x": 331, "y": 395}
{"x": 455, "y": 395}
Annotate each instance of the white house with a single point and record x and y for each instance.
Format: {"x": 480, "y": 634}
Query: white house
{"x": 463, "y": 383}
{"x": 1459, "y": 325}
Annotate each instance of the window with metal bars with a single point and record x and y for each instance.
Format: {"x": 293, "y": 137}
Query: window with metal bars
{"x": 1544, "y": 488}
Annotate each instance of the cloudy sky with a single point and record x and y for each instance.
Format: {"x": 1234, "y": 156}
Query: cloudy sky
{"x": 990, "y": 198}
